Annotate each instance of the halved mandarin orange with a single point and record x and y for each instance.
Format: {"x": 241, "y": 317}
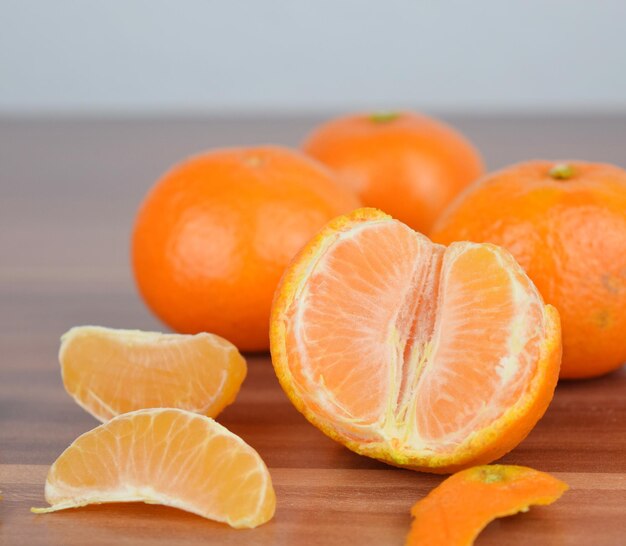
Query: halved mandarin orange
{"x": 420, "y": 355}
{"x": 456, "y": 511}
{"x": 109, "y": 372}
{"x": 164, "y": 456}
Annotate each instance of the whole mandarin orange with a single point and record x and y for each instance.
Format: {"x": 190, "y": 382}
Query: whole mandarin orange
{"x": 565, "y": 222}
{"x": 407, "y": 164}
{"x": 213, "y": 236}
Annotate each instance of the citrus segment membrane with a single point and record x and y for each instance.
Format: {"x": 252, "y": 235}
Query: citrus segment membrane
{"x": 109, "y": 372}
{"x": 485, "y": 346}
{"x": 164, "y": 456}
{"x": 402, "y": 348}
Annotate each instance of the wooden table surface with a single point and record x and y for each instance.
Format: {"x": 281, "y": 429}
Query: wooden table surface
{"x": 68, "y": 192}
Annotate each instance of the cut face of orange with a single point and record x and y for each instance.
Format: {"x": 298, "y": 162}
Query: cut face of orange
{"x": 419, "y": 355}
{"x": 109, "y": 372}
{"x": 455, "y": 512}
{"x": 165, "y": 456}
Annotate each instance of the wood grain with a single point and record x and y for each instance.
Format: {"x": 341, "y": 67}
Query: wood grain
{"x": 68, "y": 191}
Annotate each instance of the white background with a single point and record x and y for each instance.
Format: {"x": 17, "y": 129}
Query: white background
{"x": 251, "y": 56}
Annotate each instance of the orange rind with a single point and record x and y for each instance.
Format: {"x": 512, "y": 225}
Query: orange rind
{"x": 455, "y": 512}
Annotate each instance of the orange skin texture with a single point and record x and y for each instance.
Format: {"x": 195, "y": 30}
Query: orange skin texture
{"x": 407, "y": 164}
{"x": 214, "y": 235}
{"x": 456, "y": 511}
{"x": 485, "y": 446}
{"x": 570, "y": 237}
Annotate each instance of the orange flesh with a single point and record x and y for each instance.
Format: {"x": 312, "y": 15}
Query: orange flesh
{"x": 109, "y": 372}
{"x": 454, "y": 513}
{"x": 165, "y": 456}
{"x": 395, "y": 339}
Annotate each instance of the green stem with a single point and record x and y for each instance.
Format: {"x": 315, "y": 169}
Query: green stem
{"x": 562, "y": 171}
{"x": 384, "y": 117}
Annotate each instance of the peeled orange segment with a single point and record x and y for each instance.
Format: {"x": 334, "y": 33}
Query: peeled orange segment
{"x": 455, "y": 512}
{"x": 164, "y": 456}
{"x": 420, "y": 355}
{"x": 109, "y": 372}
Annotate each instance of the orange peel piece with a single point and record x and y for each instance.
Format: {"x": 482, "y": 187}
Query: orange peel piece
{"x": 456, "y": 511}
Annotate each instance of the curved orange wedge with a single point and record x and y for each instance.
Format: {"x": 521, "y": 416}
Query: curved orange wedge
{"x": 455, "y": 512}
{"x": 109, "y": 372}
{"x": 164, "y": 456}
{"x": 419, "y": 355}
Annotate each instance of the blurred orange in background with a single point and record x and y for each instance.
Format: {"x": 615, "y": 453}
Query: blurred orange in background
{"x": 407, "y": 164}
{"x": 213, "y": 236}
{"x": 566, "y": 225}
